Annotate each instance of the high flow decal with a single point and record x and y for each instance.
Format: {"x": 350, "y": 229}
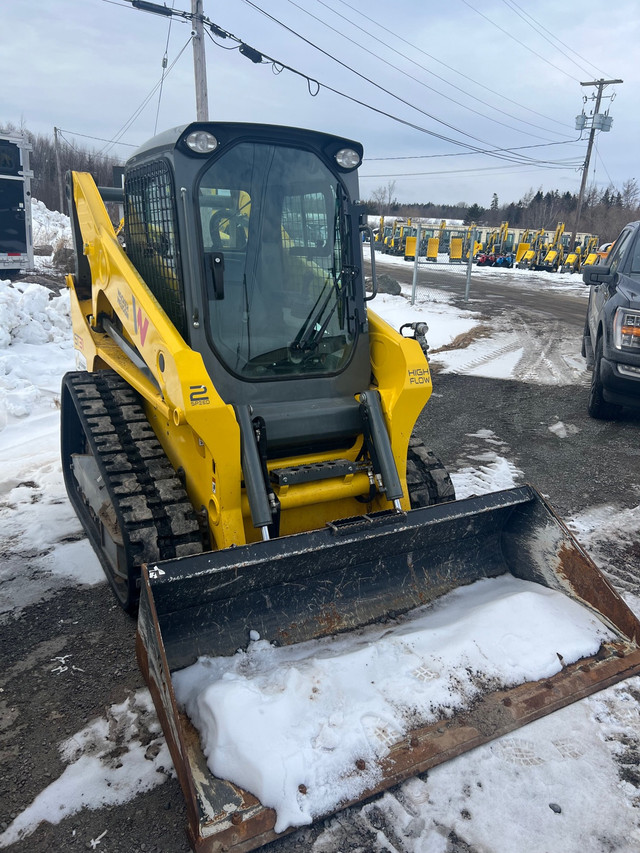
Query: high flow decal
{"x": 123, "y": 305}
{"x": 419, "y": 376}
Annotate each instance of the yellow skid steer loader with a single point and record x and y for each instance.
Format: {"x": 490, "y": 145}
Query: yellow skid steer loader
{"x": 237, "y": 442}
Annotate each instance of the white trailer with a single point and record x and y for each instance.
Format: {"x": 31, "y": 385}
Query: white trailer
{"x": 16, "y": 231}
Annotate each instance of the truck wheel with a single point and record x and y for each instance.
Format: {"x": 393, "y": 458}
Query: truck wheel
{"x": 598, "y": 407}
{"x": 427, "y": 479}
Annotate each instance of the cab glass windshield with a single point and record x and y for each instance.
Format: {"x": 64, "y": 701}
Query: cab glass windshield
{"x": 276, "y": 257}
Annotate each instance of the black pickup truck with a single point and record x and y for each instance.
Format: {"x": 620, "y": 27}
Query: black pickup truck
{"x": 611, "y": 342}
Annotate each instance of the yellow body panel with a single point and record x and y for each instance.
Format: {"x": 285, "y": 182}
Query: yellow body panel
{"x": 433, "y": 244}
{"x": 521, "y": 251}
{"x": 455, "y": 249}
{"x": 197, "y": 429}
{"x": 410, "y": 247}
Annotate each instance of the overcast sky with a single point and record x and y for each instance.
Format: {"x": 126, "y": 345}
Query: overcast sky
{"x": 444, "y": 80}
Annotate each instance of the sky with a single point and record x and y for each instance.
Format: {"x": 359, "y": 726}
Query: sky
{"x": 557, "y": 781}
{"x": 423, "y": 86}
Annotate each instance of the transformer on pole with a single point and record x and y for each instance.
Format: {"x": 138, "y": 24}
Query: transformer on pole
{"x": 597, "y": 121}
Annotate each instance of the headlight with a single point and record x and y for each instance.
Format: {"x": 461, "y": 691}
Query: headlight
{"x": 347, "y": 158}
{"x": 202, "y": 142}
{"x": 626, "y": 329}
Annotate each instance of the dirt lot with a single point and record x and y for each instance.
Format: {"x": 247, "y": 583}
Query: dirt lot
{"x": 69, "y": 659}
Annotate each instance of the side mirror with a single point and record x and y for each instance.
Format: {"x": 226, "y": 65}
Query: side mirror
{"x": 598, "y": 274}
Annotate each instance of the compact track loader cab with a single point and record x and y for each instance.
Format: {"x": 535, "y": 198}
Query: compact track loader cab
{"x": 237, "y": 442}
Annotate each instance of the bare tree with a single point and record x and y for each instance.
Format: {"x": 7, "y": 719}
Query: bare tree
{"x": 630, "y": 193}
{"x": 384, "y": 198}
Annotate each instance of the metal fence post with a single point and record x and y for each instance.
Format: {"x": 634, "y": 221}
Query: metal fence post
{"x": 415, "y": 266}
{"x": 472, "y": 246}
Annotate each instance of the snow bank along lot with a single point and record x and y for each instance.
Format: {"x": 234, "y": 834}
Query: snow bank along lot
{"x": 553, "y": 785}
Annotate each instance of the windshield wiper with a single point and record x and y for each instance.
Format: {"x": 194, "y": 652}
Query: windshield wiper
{"x": 307, "y": 338}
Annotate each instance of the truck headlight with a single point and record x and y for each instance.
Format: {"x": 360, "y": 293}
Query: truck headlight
{"x": 626, "y": 329}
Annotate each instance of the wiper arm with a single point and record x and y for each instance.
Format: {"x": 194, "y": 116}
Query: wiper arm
{"x": 308, "y": 329}
{"x": 310, "y": 341}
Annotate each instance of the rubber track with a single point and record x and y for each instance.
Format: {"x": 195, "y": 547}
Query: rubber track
{"x": 428, "y": 481}
{"x": 156, "y": 517}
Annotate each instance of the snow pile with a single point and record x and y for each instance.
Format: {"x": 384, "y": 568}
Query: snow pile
{"x": 304, "y": 728}
{"x": 38, "y": 527}
{"x": 50, "y": 228}
{"x": 31, "y": 315}
{"x": 32, "y": 318}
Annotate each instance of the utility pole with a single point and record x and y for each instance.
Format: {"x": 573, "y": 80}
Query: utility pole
{"x": 199, "y": 62}
{"x": 597, "y": 123}
{"x": 197, "y": 38}
{"x": 58, "y": 169}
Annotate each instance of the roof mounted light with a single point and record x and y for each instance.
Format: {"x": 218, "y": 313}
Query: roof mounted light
{"x": 202, "y": 142}
{"x": 347, "y": 158}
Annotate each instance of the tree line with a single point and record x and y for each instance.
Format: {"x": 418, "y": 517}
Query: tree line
{"x": 604, "y": 212}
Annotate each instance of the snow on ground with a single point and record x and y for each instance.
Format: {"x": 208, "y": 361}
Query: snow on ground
{"x": 289, "y": 724}
{"x": 551, "y": 786}
{"x": 110, "y": 761}
{"x": 515, "y": 347}
{"x": 565, "y": 282}
{"x": 432, "y": 307}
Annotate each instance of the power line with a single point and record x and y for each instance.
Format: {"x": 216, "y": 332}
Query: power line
{"x": 506, "y": 154}
{"x": 521, "y": 43}
{"x": 409, "y": 76}
{"x": 548, "y": 34}
{"x": 164, "y": 67}
{"x": 599, "y": 156}
{"x": 363, "y": 76}
{"x": 491, "y": 151}
{"x": 462, "y": 153}
{"x": 494, "y": 152}
{"x": 499, "y": 170}
{"x": 96, "y": 138}
{"x": 146, "y": 100}
{"x": 454, "y": 70}
{"x": 478, "y": 100}
{"x": 471, "y": 170}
